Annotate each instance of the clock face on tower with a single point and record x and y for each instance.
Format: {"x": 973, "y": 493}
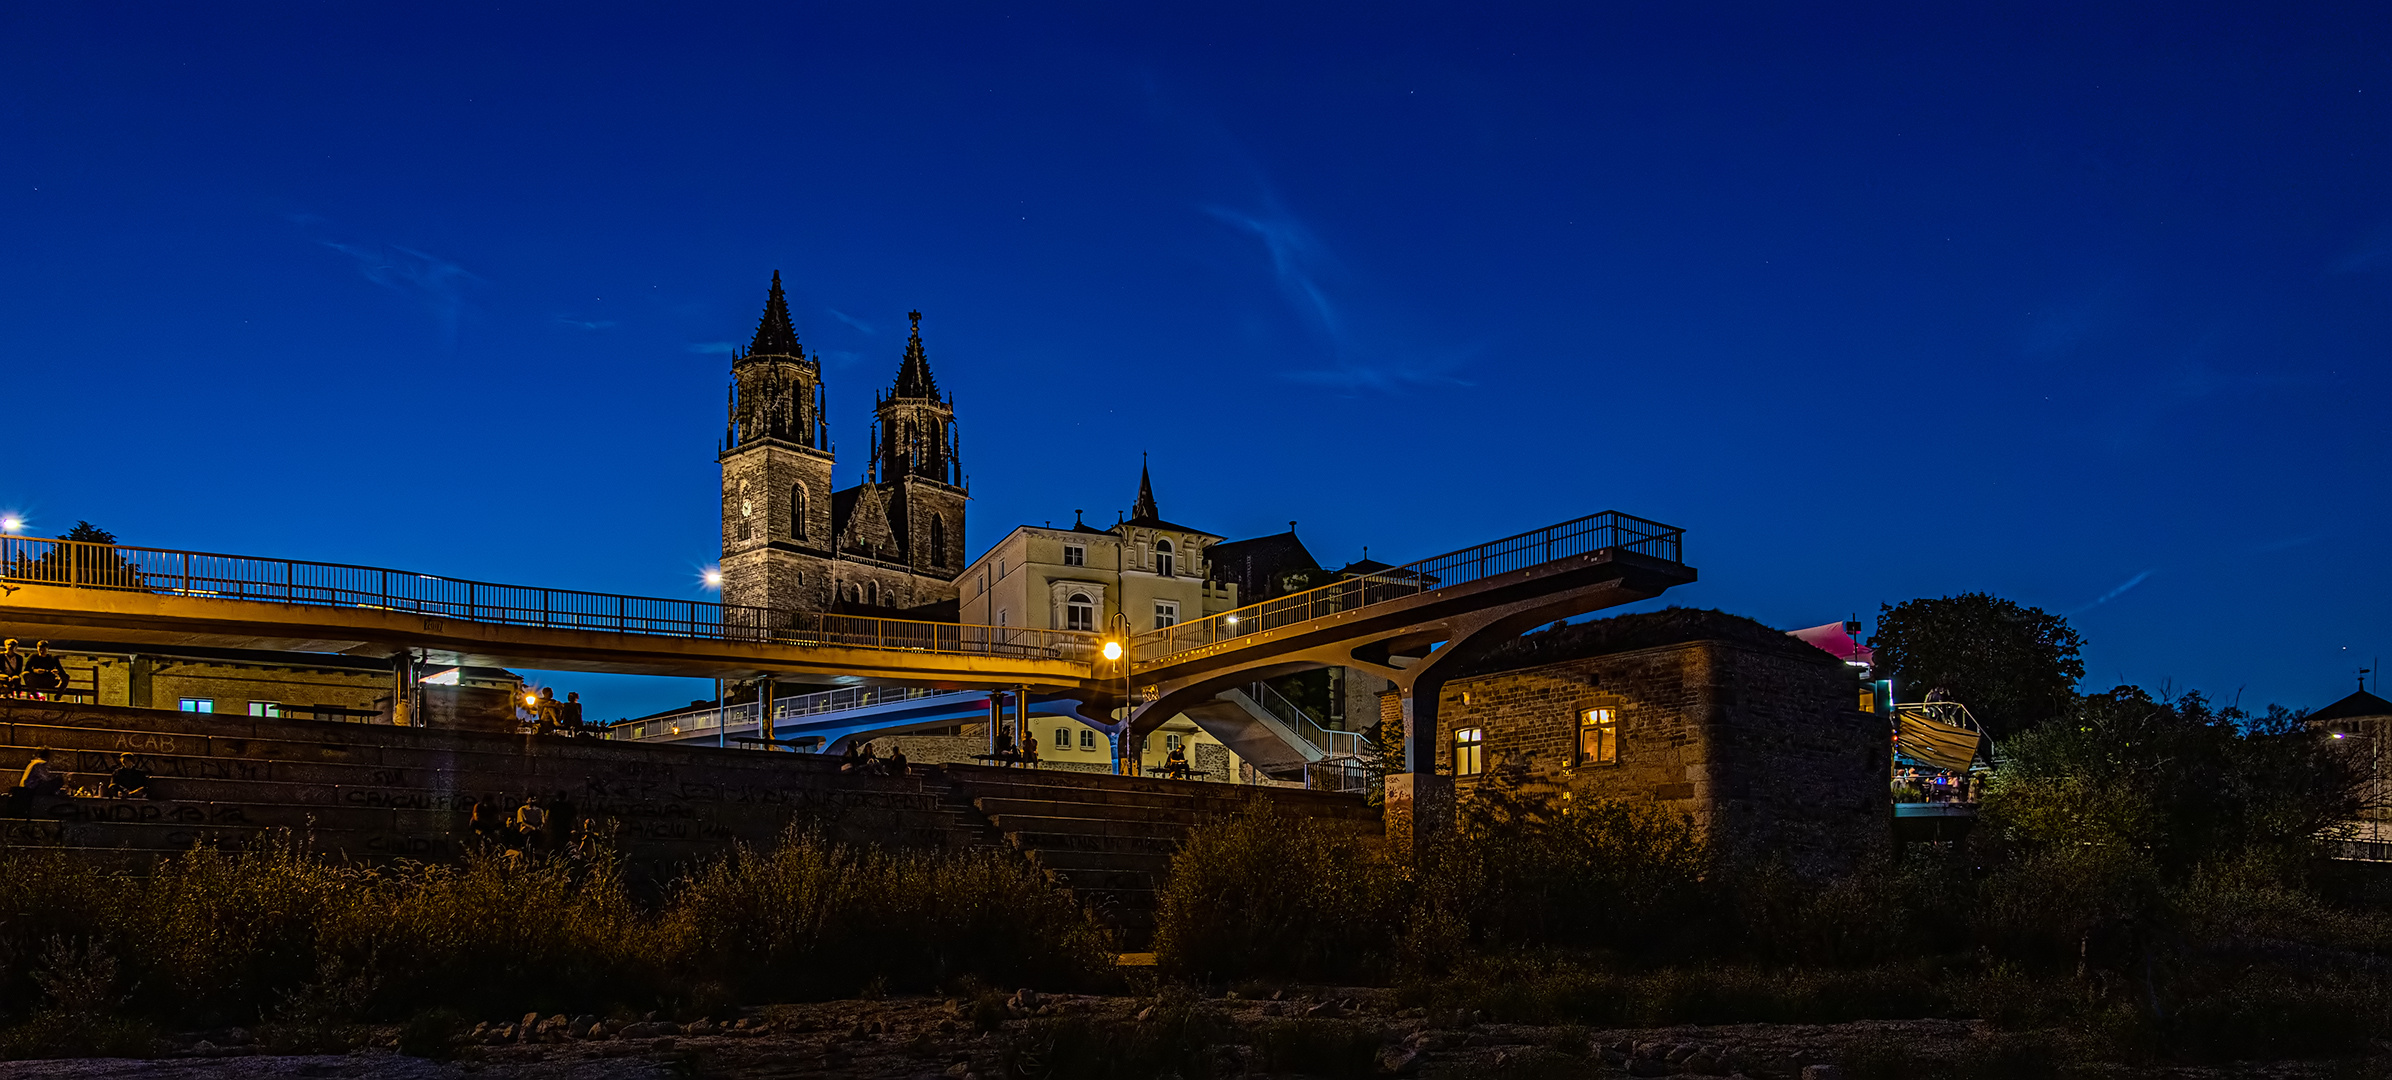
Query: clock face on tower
{"x": 746, "y": 508}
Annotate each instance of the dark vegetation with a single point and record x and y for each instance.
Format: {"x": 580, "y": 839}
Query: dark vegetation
{"x": 2144, "y": 882}
{"x": 2013, "y": 666}
{"x": 304, "y": 949}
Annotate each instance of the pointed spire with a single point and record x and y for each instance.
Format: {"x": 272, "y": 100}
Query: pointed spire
{"x": 913, "y": 373}
{"x": 1145, "y": 508}
{"x": 775, "y": 334}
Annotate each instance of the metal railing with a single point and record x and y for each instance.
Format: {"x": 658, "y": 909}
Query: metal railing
{"x": 1331, "y": 742}
{"x": 1584, "y": 536}
{"x": 77, "y": 564}
{"x": 701, "y": 721}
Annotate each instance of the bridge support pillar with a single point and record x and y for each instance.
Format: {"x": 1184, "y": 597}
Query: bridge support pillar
{"x": 1419, "y": 809}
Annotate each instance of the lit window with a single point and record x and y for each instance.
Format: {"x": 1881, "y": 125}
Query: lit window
{"x": 1075, "y": 555}
{"x": 1469, "y": 751}
{"x": 1087, "y": 739}
{"x": 1062, "y": 738}
{"x": 1166, "y": 613}
{"x": 1599, "y": 737}
{"x": 1170, "y": 743}
{"x": 1079, "y": 613}
{"x": 263, "y": 708}
{"x": 1162, "y": 560}
{"x": 199, "y": 704}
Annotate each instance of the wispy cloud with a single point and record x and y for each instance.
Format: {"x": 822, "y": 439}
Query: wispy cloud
{"x": 585, "y": 324}
{"x": 2113, "y": 594}
{"x": 713, "y": 348}
{"x": 437, "y": 282}
{"x": 851, "y": 320}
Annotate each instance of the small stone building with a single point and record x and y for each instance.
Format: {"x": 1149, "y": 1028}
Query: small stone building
{"x": 1750, "y": 733}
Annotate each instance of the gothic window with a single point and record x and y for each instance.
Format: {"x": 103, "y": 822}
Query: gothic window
{"x": 1598, "y": 736}
{"x": 938, "y": 541}
{"x": 797, "y": 511}
{"x": 1469, "y": 751}
{"x": 1162, "y": 558}
{"x": 1079, "y": 613}
{"x": 874, "y": 595}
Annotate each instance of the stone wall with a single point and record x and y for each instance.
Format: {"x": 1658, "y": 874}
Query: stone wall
{"x": 1760, "y": 748}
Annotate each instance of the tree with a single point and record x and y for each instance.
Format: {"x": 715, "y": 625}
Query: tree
{"x": 2013, "y": 666}
{"x": 67, "y": 564}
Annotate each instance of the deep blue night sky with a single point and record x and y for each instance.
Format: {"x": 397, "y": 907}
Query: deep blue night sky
{"x": 2087, "y": 310}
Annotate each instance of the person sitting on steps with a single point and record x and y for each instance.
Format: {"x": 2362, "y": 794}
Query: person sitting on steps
{"x": 12, "y": 669}
{"x": 1006, "y": 753}
{"x": 129, "y": 781}
{"x": 1175, "y": 764}
{"x": 896, "y": 763}
{"x": 530, "y": 820}
{"x": 40, "y": 781}
{"x": 485, "y": 822}
{"x": 43, "y": 673}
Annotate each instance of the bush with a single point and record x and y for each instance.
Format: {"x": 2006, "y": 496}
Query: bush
{"x": 1268, "y": 894}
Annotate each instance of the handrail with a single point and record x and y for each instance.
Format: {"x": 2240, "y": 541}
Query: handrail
{"x": 1331, "y": 742}
{"x": 701, "y": 720}
{"x": 1583, "y": 536}
{"x": 84, "y": 565}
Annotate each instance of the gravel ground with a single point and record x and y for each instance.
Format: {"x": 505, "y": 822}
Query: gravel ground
{"x": 935, "y": 1039}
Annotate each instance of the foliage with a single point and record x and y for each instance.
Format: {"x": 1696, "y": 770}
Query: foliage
{"x": 68, "y": 564}
{"x": 2173, "y": 780}
{"x": 2013, "y": 666}
{"x": 1269, "y": 893}
{"x": 306, "y": 948}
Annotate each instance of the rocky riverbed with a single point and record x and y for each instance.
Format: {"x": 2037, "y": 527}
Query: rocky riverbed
{"x": 1325, "y": 1032}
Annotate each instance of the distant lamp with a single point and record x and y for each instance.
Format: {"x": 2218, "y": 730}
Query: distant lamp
{"x": 1233, "y": 620}
{"x": 531, "y": 699}
{"x": 1112, "y": 650}
{"x": 12, "y": 524}
{"x": 712, "y": 577}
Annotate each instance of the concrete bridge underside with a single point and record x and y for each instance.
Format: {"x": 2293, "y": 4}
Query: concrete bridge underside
{"x": 32, "y": 611}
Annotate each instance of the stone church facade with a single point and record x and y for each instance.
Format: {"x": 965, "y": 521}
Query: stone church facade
{"x": 892, "y": 545}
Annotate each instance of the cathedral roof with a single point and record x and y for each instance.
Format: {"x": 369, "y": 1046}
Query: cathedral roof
{"x": 1144, "y": 509}
{"x": 775, "y": 334}
{"x": 913, "y": 373}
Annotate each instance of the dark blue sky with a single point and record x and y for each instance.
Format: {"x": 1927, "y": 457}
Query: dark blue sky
{"x": 2084, "y": 309}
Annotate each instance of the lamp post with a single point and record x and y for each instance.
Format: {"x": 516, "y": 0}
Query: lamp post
{"x": 1117, "y": 651}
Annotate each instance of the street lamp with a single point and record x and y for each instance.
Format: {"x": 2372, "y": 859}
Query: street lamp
{"x": 1116, "y": 651}
{"x": 12, "y": 524}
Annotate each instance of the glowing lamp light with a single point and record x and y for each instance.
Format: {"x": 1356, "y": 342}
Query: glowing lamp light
{"x": 1233, "y": 620}
{"x": 712, "y": 577}
{"x": 11, "y": 524}
{"x": 1112, "y": 650}
{"x": 531, "y": 699}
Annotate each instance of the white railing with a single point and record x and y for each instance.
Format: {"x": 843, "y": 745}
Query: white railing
{"x": 702, "y": 721}
{"x": 1331, "y": 742}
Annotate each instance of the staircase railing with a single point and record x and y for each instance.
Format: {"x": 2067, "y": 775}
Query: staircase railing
{"x": 1331, "y": 742}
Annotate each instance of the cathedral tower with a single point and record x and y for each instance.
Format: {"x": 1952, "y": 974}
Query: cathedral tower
{"x": 918, "y": 469}
{"x": 776, "y": 461}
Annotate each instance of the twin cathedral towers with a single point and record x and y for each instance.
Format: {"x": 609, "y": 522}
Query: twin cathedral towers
{"x": 892, "y": 545}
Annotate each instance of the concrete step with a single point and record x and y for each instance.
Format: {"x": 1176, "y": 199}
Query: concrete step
{"x": 1067, "y": 860}
{"x": 1165, "y": 846}
{"x": 1014, "y": 825}
{"x": 1004, "y": 808}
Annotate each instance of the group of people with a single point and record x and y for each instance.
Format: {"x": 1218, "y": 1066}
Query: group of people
{"x": 46, "y": 777}
{"x": 38, "y": 674}
{"x": 1009, "y": 753}
{"x": 533, "y": 826}
{"x": 1937, "y": 785}
{"x": 862, "y": 758}
{"x": 548, "y": 716}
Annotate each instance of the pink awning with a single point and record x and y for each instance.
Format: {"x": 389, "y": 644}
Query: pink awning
{"x": 1839, "y": 644}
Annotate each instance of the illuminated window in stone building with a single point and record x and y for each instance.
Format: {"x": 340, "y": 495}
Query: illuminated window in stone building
{"x": 1079, "y": 613}
{"x": 1599, "y": 736}
{"x": 1162, "y": 560}
{"x": 1075, "y": 555}
{"x": 265, "y": 708}
{"x": 1166, "y": 613}
{"x": 199, "y": 704}
{"x": 1469, "y": 751}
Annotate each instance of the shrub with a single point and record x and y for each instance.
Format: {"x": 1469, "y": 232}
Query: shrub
{"x": 1269, "y": 894}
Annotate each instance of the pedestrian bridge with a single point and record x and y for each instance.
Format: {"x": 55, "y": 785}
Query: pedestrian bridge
{"x": 1403, "y": 622}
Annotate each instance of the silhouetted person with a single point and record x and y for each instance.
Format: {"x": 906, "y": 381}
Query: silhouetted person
{"x": 1175, "y": 764}
{"x": 1030, "y": 749}
{"x": 853, "y": 759}
{"x": 486, "y": 822}
{"x": 40, "y": 779}
{"x": 129, "y": 781}
{"x": 572, "y": 714}
{"x": 530, "y": 822}
{"x": 896, "y": 763}
{"x": 43, "y": 672}
{"x": 546, "y": 712}
{"x": 12, "y": 668}
{"x": 1005, "y": 749}
{"x": 1939, "y": 694}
